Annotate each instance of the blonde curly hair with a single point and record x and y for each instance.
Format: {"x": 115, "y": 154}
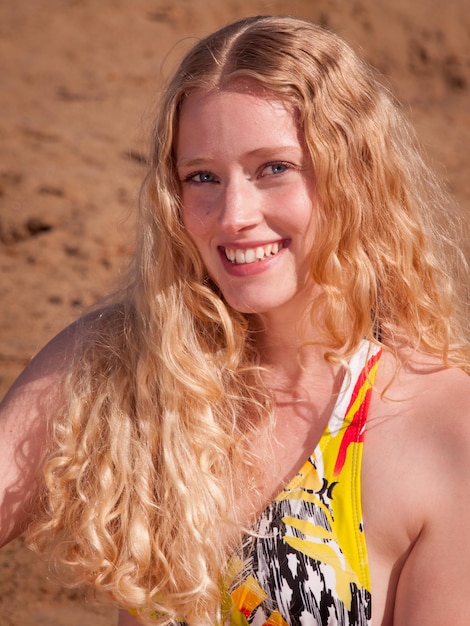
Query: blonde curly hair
{"x": 143, "y": 473}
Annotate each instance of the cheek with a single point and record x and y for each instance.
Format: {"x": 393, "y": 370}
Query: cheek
{"x": 299, "y": 214}
{"x": 195, "y": 224}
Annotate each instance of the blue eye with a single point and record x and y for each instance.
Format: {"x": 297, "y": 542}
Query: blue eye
{"x": 272, "y": 169}
{"x": 200, "y": 178}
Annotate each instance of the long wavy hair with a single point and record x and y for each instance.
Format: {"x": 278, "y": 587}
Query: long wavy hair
{"x": 143, "y": 473}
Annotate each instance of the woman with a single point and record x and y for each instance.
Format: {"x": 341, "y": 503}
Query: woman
{"x": 269, "y": 423}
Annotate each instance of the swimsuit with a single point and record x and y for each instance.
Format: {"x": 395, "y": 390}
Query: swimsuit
{"x": 306, "y": 562}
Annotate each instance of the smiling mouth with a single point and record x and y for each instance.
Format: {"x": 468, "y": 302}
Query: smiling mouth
{"x": 239, "y": 256}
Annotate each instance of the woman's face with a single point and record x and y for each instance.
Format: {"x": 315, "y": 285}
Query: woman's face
{"x": 248, "y": 197}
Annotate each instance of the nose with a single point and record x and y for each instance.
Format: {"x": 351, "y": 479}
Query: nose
{"x": 240, "y": 206}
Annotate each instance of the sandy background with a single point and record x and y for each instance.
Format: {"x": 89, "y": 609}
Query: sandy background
{"x": 79, "y": 79}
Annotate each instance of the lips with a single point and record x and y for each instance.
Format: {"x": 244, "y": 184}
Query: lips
{"x": 245, "y": 256}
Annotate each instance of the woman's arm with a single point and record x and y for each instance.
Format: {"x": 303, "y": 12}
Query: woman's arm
{"x": 435, "y": 580}
{"x": 23, "y": 432}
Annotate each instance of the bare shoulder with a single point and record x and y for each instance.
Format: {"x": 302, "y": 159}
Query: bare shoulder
{"x": 426, "y": 399}
{"x": 435, "y": 406}
{"x": 420, "y": 454}
{"x": 425, "y": 417}
{"x": 23, "y": 427}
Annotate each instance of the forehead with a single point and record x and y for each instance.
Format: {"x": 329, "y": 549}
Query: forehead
{"x": 238, "y": 118}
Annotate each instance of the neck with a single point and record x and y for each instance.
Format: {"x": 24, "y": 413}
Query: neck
{"x": 292, "y": 349}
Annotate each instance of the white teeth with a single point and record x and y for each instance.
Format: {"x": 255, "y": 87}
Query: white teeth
{"x": 250, "y": 255}
{"x": 240, "y": 256}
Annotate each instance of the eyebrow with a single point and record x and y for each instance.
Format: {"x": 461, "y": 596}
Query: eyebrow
{"x": 193, "y": 162}
{"x": 265, "y": 152}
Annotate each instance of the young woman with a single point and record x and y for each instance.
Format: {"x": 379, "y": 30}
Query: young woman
{"x": 269, "y": 423}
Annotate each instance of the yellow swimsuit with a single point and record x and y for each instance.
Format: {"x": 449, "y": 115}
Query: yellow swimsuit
{"x": 306, "y": 564}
